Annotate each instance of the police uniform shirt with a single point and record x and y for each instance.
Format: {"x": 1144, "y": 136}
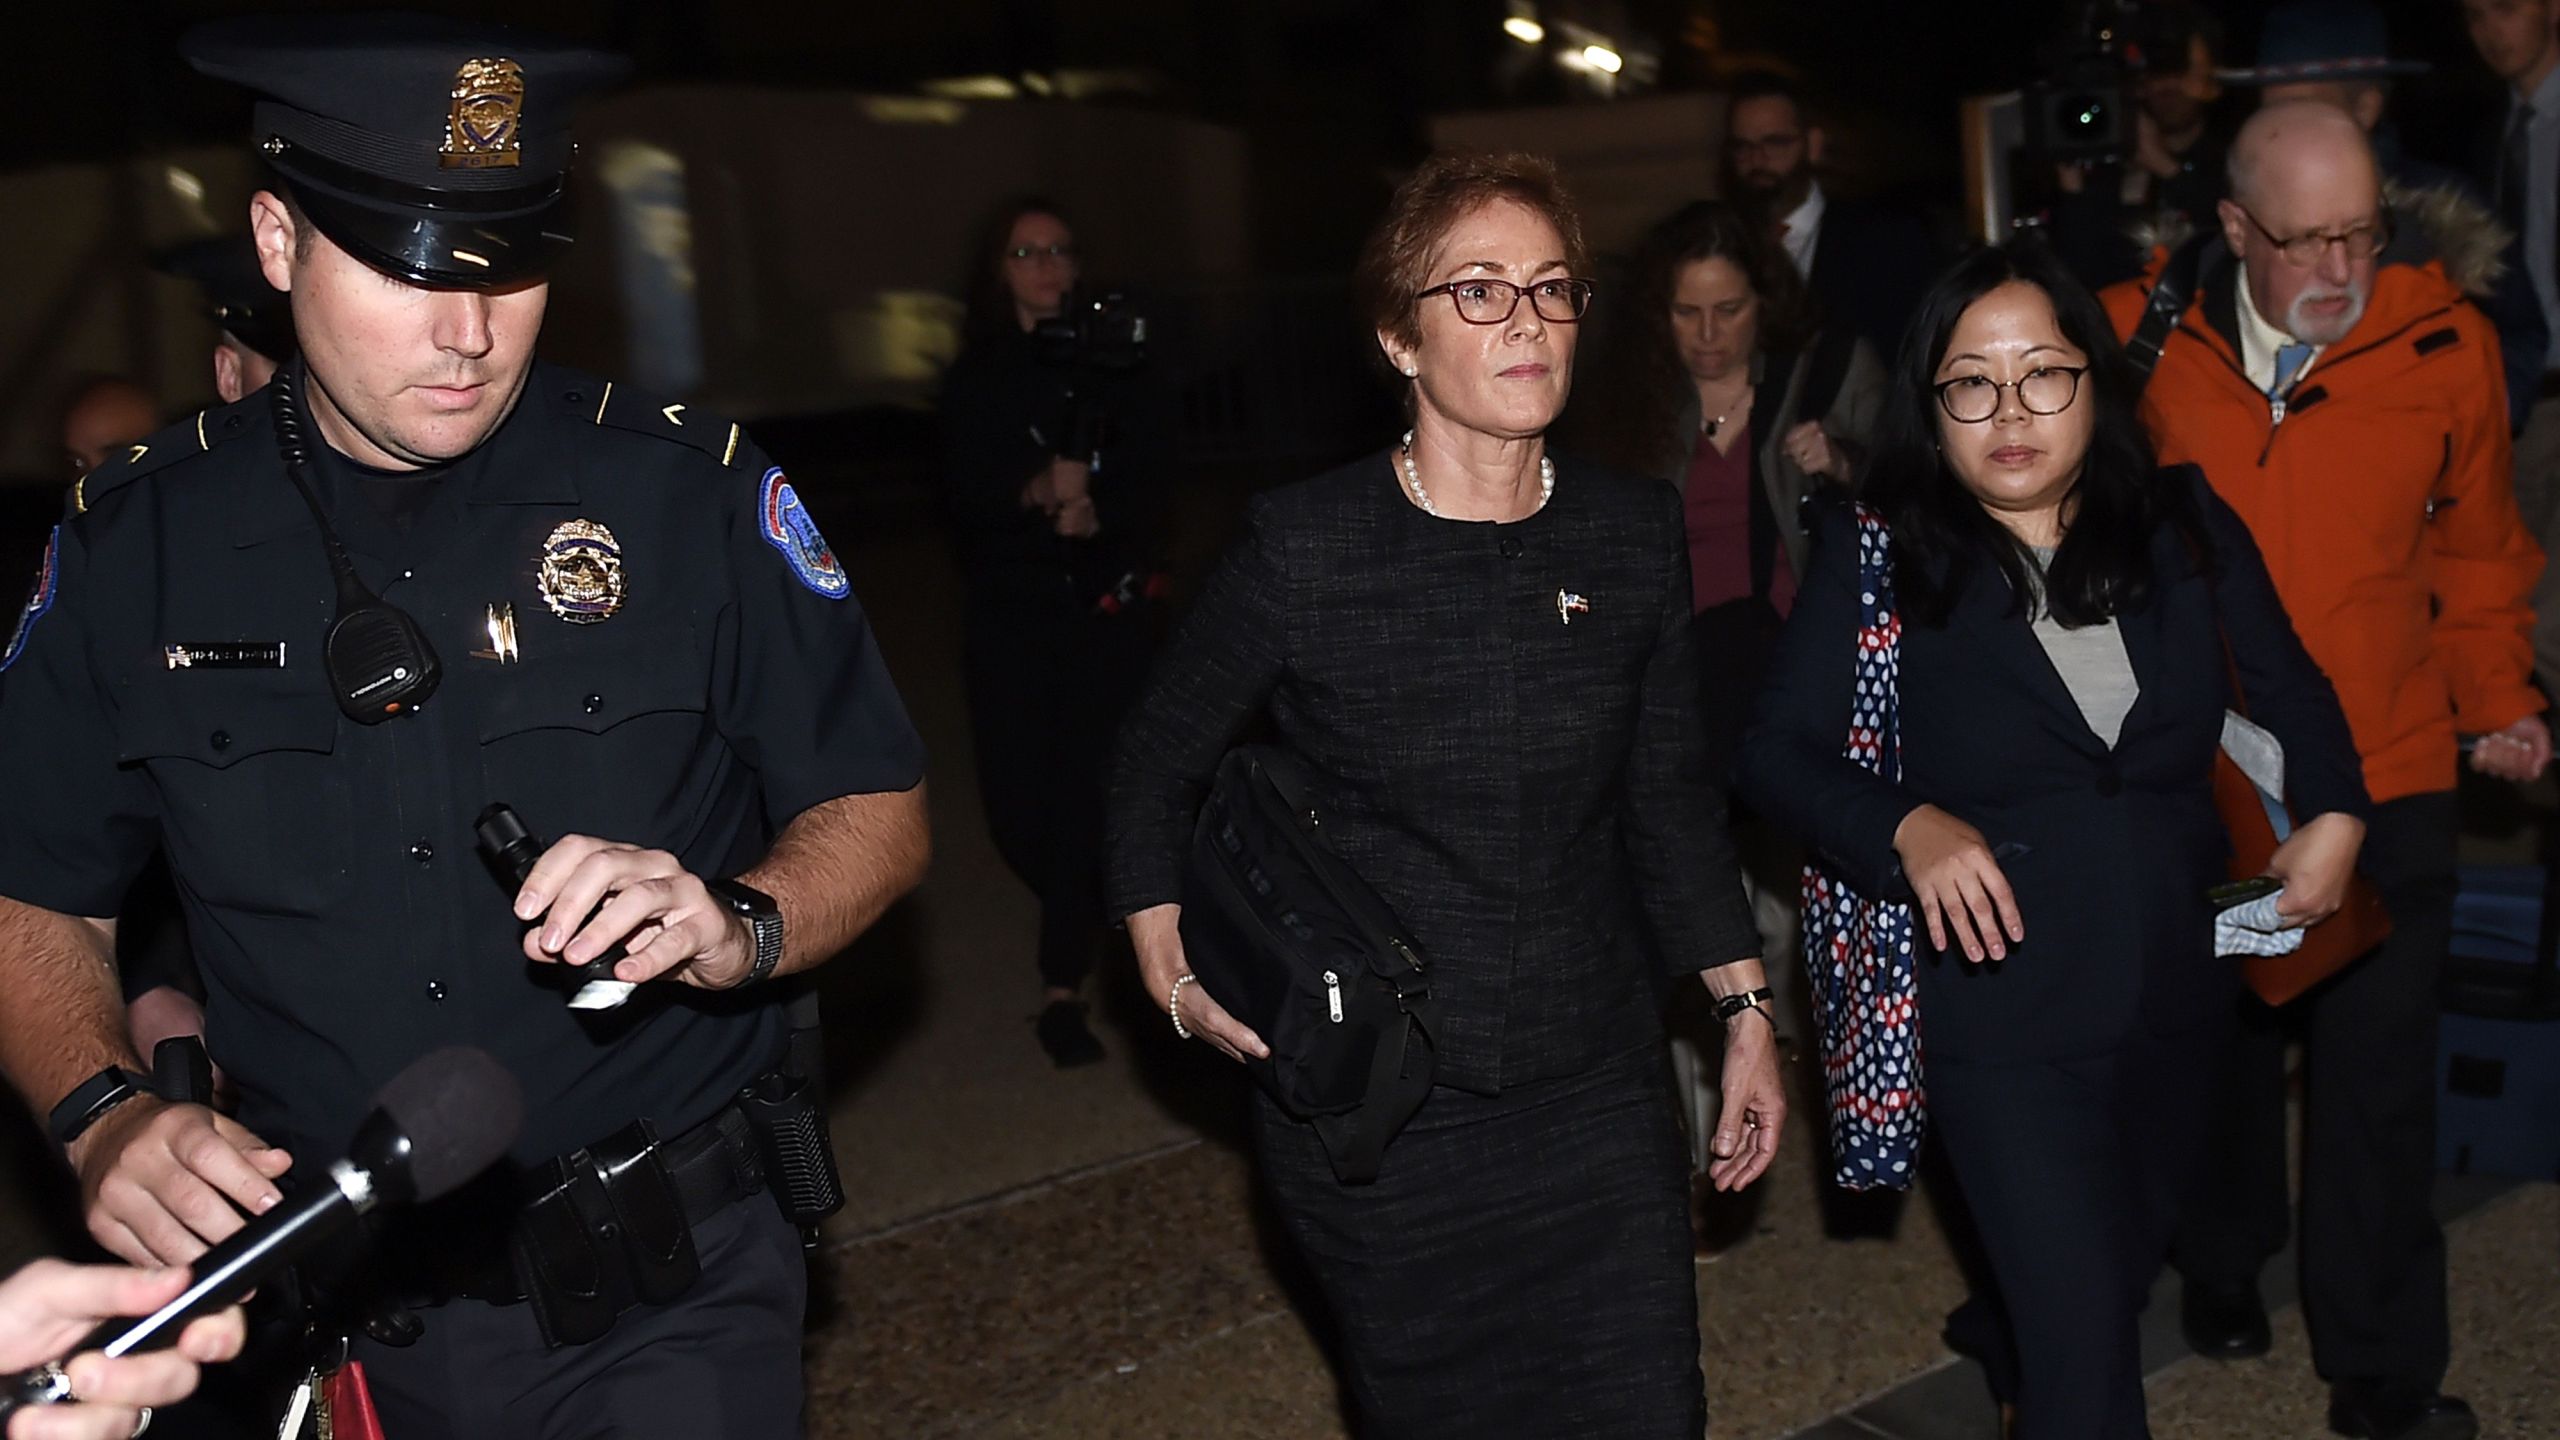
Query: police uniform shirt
{"x": 688, "y": 671}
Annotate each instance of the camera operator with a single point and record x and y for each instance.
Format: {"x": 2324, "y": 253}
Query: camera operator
{"x": 1054, "y": 438}
{"x": 2176, "y": 164}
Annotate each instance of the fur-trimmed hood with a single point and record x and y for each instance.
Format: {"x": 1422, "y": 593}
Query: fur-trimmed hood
{"x": 2430, "y": 222}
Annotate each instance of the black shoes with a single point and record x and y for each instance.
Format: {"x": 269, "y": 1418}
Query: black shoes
{"x": 1066, "y": 1036}
{"x": 2224, "y": 1322}
{"x": 2369, "y": 1411}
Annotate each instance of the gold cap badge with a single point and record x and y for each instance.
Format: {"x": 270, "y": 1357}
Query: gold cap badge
{"x": 581, "y": 574}
{"x": 485, "y": 130}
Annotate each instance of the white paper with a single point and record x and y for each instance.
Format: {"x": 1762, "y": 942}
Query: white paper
{"x": 2259, "y": 754}
{"x": 602, "y": 994}
{"x": 2255, "y": 929}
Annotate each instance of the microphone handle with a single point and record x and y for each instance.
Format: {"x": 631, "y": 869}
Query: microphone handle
{"x": 223, "y": 1275}
{"x": 229, "y": 1271}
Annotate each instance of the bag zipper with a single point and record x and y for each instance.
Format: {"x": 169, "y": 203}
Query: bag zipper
{"x": 1333, "y": 996}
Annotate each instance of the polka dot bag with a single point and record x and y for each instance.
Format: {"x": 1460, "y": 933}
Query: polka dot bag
{"x": 1858, "y": 949}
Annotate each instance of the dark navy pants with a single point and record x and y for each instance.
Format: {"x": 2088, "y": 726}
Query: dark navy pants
{"x": 723, "y": 1363}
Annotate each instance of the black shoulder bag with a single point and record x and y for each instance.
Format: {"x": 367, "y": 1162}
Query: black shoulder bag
{"x": 1297, "y": 946}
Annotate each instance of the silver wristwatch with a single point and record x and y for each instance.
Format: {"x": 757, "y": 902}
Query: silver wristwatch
{"x": 764, "y": 921}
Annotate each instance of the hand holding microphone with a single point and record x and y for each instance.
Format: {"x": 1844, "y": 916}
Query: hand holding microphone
{"x": 46, "y": 1307}
{"x": 438, "y": 1123}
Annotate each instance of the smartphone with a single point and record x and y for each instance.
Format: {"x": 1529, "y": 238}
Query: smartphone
{"x": 2241, "y": 892}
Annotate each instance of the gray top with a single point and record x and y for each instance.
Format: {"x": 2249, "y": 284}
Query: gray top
{"x": 2093, "y": 666}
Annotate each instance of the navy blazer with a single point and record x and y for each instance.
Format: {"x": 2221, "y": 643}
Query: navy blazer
{"x": 2115, "y": 847}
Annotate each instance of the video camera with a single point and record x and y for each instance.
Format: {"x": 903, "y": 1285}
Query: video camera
{"x": 2083, "y": 110}
{"x": 1091, "y": 335}
{"x": 1098, "y": 331}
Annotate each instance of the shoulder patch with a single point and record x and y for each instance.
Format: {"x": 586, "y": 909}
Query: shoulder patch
{"x": 788, "y": 527}
{"x": 602, "y": 402}
{"x": 39, "y": 599}
{"x": 2435, "y": 340}
{"x": 190, "y": 437}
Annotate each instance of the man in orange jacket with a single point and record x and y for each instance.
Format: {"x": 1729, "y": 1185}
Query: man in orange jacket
{"x": 2346, "y": 400}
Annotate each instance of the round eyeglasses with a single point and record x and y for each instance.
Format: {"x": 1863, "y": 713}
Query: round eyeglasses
{"x": 2047, "y": 390}
{"x": 1492, "y": 302}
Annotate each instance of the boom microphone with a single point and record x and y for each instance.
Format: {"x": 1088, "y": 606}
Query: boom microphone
{"x": 437, "y": 1124}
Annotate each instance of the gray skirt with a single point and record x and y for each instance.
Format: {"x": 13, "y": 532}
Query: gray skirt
{"x": 1522, "y": 1267}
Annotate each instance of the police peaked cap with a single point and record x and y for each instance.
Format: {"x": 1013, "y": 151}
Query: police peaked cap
{"x": 433, "y": 150}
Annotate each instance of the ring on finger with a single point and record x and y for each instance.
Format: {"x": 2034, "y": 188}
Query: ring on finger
{"x": 141, "y": 1423}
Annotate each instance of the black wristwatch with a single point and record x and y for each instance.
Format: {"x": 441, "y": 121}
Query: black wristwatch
{"x": 764, "y": 919}
{"x": 92, "y": 1098}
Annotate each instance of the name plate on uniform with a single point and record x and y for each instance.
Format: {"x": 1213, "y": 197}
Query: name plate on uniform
{"x": 225, "y": 655}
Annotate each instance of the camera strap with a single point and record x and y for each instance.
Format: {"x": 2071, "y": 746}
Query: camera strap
{"x": 2171, "y": 294}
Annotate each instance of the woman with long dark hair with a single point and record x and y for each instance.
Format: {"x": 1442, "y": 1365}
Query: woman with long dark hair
{"x": 1054, "y": 475}
{"x": 2066, "y": 610}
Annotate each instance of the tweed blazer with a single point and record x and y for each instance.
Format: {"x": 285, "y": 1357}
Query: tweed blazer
{"x": 1503, "y": 723}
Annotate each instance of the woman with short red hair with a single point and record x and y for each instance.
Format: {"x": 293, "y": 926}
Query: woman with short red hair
{"x": 1480, "y": 659}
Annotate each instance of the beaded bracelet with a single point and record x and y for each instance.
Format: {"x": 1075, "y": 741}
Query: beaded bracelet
{"x": 1173, "y": 1005}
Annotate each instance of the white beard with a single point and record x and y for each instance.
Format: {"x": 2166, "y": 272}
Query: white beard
{"x": 2314, "y": 332}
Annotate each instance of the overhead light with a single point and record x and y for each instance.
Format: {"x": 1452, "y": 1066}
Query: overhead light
{"x": 970, "y": 87}
{"x": 1524, "y": 30}
{"x": 913, "y": 110}
{"x": 1603, "y": 59}
{"x": 185, "y": 184}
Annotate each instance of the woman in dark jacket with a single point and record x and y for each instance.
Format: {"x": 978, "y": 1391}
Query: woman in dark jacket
{"x": 1481, "y": 659}
{"x": 1054, "y": 477}
{"x": 2064, "y": 607}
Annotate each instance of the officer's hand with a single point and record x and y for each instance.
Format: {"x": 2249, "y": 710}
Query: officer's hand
{"x": 159, "y": 1182}
{"x": 672, "y": 926}
{"x": 47, "y": 1307}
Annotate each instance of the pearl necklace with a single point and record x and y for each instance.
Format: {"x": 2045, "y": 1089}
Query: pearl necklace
{"x": 1422, "y": 497}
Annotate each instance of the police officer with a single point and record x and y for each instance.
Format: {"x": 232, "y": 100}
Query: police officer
{"x": 606, "y": 610}
{"x": 253, "y": 324}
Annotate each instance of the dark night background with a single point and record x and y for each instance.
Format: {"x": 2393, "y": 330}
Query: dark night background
{"x": 1326, "y": 90}
{"x": 1318, "y": 107}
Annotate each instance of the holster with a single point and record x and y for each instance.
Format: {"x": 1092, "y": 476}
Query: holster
{"x": 789, "y": 1123}
{"x": 605, "y": 1231}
